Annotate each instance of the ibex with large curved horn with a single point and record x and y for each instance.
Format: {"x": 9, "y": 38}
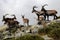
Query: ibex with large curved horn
{"x": 38, "y": 13}
{"x": 49, "y": 12}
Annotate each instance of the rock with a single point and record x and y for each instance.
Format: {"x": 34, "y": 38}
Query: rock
{"x": 46, "y": 37}
{"x": 4, "y": 27}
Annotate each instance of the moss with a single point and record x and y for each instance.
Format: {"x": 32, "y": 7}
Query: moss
{"x": 30, "y": 37}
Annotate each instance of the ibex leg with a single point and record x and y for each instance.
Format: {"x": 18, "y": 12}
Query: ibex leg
{"x": 38, "y": 17}
{"x": 24, "y": 25}
{"x": 48, "y": 18}
{"x": 55, "y": 17}
{"x": 27, "y": 24}
{"x": 44, "y": 17}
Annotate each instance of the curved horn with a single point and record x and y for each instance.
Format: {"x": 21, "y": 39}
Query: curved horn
{"x": 14, "y": 16}
{"x": 4, "y": 16}
{"x": 34, "y": 6}
{"x": 34, "y": 9}
{"x": 45, "y": 5}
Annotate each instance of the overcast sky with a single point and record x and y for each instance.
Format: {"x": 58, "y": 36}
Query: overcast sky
{"x": 24, "y": 7}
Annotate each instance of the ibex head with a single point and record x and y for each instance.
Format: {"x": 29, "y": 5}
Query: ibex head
{"x": 34, "y": 9}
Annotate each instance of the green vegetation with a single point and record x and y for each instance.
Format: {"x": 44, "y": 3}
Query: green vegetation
{"x": 44, "y": 30}
{"x": 52, "y": 30}
{"x": 50, "y": 27}
{"x": 28, "y": 37}
{"x": 55, "y": 34}
{"x": 10, "y": 38}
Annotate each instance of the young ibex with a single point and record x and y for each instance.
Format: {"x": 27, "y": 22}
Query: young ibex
{"x": 43, "y": 22}
{"x": 25, "y": 20}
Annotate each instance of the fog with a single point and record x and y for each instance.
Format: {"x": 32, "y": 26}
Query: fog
{"x": 24, "y": 7}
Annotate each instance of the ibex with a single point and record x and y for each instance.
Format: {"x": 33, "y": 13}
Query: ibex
{"x": 41, "y": 20}
{"x": 38, "y": 13}
{"x": 12, "y": 23}
{"x": 25, "y": 20}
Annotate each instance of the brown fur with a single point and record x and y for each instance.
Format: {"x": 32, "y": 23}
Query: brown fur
{"x": 25, "y": 20}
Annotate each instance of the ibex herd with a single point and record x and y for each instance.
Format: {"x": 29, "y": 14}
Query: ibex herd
{"x": 44, "y": 12}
